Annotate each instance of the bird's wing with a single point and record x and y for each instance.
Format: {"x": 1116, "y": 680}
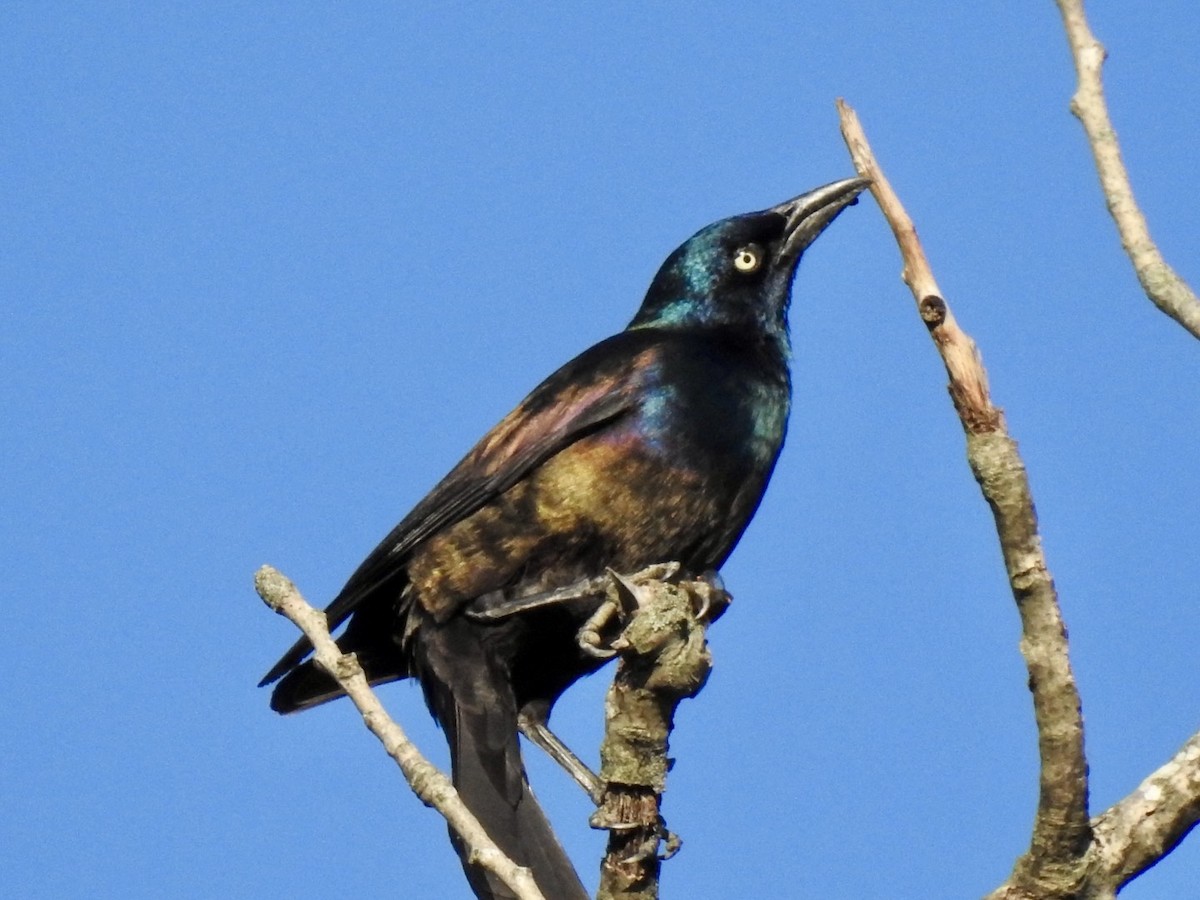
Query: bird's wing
{"x": 597, "y": 387}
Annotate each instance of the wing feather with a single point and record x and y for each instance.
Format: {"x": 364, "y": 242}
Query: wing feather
{"x": 596, "y": 388}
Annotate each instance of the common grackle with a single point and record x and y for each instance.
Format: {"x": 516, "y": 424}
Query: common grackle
{"x": 654, "y": 445}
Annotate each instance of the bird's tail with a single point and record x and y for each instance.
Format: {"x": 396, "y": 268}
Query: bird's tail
{"x": 304, "y": 684}
{"x": 474, "y": 703}
{"x": 490, "y": 777}
{"x": 308, "y": 685}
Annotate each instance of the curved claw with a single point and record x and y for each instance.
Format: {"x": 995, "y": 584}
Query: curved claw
{"x": 711, "y": 596}
{"x": 589, "y": 643}
{"x": 588, "y": 636}
{"x": 664, "y": 844}
{"x": 647, "y": 850}
{"x": 672, "y": 843}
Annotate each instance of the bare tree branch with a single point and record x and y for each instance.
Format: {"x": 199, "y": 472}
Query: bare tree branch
{"x": 1062, "y": 832}
{"x": 1069, "y": 857}
{"x": 431, "y": 786}
{"x": 1137, "y": 832}
{"x": 1162, "y": 285}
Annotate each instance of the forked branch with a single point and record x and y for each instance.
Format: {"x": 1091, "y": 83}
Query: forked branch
{"x": 1070, "y": 857}
{"x": 1062, "y": 832}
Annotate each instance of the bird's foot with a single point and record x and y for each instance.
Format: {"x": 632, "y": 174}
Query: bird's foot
{"x": 589, "y": 638}
{"x": 621, "y": 602}
{"x": 624, "y": 811}
{"x": 620, "y": 593}
{"x": 708, "y": 594}
{"x": 711, "y": 599}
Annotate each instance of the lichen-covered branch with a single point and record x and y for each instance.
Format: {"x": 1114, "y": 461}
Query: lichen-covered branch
{"x": 663, "y": 658}
{"x": 1055, "y": 862}
{"x": 1137, "y": 832}
{"x": 430, "y": 785}
{"x": 1162, "y": 285}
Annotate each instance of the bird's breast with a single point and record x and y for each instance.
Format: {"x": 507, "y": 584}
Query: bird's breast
{"x": 674, "y": 478}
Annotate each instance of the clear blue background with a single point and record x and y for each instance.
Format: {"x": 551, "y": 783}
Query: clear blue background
{"x": 268, "y": 270}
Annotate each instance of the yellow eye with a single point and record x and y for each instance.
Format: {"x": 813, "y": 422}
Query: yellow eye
{"x": 748, "y": 258}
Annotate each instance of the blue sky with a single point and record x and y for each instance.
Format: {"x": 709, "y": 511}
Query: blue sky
{"x": 269, "y": 270}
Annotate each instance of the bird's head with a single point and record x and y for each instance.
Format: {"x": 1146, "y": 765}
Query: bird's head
{"x": 738, "y": 272}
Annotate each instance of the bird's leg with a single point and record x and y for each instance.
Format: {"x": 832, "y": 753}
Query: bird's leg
{"x": 707, "y": 593}
{"x": 533, "y": 726}
{"x": 496, "y": 605}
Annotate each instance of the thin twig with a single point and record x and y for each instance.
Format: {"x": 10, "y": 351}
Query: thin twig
{"x": 1062, "y": 831}
{"x": 1166, "y": 289}
{"x": 429, "y": 784}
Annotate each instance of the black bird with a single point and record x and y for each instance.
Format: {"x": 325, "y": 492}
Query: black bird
{"x": 655, "y": 445}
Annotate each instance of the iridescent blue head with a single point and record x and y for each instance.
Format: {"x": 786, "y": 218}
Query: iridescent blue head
{"x": 738, "y": 272}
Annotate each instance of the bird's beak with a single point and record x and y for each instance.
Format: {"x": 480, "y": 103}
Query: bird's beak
{"x": 810, "y": 214}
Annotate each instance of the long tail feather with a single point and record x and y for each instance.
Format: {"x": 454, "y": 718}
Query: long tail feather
{"x": 474, "y": 703}
{"x": 307, "y": 685}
